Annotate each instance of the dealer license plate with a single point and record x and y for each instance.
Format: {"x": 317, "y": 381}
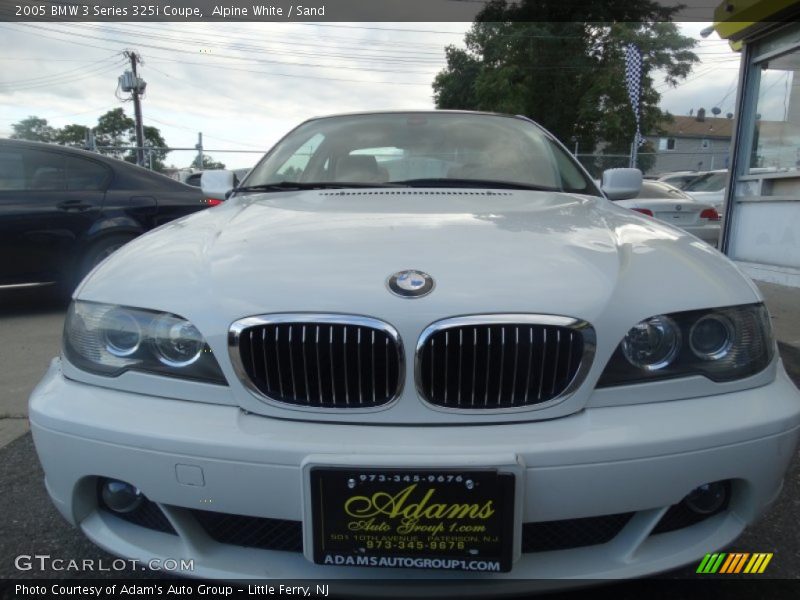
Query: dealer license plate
{"x": 430, "y": 519}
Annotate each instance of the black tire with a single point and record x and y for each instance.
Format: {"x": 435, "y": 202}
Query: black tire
{"x": 95, "y": 254}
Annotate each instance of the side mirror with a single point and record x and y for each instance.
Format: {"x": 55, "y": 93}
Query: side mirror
{"x": 621, "y": 184}
{"x": 217, "y": 184}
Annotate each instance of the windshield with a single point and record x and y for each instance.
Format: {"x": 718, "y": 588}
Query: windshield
{"x": 711, "y": 182}
{"x": 452, "y": 149}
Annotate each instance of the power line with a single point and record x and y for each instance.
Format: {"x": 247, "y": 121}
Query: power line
{"x": 404, "y": 55}
{"x": 58, "y": 79}
{"x": 60, "y": 74}
{"x": 181, "y": 51}
{"x": 293, "y": 75}
{"x": 84, "y": 112}
{"x": 731, "y": 88}
{"x": 213, "y": 137}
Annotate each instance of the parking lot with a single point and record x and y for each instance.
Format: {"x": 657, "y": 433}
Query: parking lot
{"x": 30, "y": 327}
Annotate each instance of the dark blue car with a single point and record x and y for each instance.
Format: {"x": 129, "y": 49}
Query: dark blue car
{"x": 63, "y": 210}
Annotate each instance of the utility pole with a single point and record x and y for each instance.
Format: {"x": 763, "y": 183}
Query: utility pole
{"x": 130, "y": 82}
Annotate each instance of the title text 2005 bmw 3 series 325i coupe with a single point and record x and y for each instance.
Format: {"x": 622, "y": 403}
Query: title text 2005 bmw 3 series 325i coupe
{"x": 420, "y": 345}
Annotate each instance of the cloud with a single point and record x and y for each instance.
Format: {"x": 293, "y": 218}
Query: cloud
{"x": 245, "y": 84}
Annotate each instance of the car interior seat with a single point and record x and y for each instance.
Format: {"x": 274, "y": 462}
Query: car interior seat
{"x": 360, "y": 168}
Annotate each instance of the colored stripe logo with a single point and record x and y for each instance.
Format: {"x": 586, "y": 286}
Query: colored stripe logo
{"x": 735, "y": 562}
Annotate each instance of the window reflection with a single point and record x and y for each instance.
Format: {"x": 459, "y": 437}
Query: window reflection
{"x": 776, "y": 137}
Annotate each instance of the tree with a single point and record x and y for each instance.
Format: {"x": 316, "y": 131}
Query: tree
{"x": 208, "y": 163}
{"x": 155, "y": 146}
{"x": 566, "y": 72}
{"x": 33, "y": 129}
{"x": 114, "y": 131}
{"x": 115, "y": 128}
{"x": 72, "y": 135}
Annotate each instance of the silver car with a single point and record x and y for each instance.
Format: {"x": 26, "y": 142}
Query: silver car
{"x": 669, "y": 204}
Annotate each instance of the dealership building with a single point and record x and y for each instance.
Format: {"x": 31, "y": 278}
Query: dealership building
{"x": 762, "y": 224}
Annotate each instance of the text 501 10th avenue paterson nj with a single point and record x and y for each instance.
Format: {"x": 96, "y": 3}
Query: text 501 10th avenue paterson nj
{"x": 57, "y": 589}
{"x": 167, "y": 10}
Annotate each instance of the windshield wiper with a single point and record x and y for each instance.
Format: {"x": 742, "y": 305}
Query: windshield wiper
{"x": 473, "y": 183}
{"x": 283, "y": 186}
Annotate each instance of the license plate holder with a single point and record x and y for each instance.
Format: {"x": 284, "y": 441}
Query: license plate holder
{"x": 450, "y": 518}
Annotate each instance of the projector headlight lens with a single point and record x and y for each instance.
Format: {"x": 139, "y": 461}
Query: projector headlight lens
{"x": 652, "y": 344}
{"x": 178, "y": 342}
{"x": 121, "y": 332}
{"x": 711, "y": 337}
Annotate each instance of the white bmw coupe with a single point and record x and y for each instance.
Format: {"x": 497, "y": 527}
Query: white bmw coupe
{"x": 416, "y": 344}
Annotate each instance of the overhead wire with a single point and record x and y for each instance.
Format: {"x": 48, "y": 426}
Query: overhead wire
{"x": 59, "y": 79}
{"x": 60, "y": 74}
{"x": 267, "y": 61}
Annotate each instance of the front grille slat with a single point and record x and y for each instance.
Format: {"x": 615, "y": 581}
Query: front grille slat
{"x": 516, "y": 359}
{"x": 460, "y": 359}
{"x": 542, "y": 355}
{"x": 372, "y": 355}
{"x": 474, "y": 360}
{"x": 264, "y": 354}
{"x": 555, "y": 363}
{"x": 305, "y": 367}
{"x": 333, "y": 362}
{"x": 569, "y": 353}
{"x": 319, "y": 367}
{"x": 360, "y": 376}
{"x": 530, "y": 366}
{"x": 387, "y": 370}
{"x": 333, "y": 371}
{"x": 515, "y": 363}
{"x": 446, "y": 363}
{"x": 346, "y": 373}
{"x": 291, "y": 364}
{"x": 433, "y": 368}
{"x": 278, "y": 358}
{"x": 488, "y": 364}
{"x": 502, "y": 364}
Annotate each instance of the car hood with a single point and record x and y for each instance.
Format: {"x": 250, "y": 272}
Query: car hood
{"x": 487, "y": 251}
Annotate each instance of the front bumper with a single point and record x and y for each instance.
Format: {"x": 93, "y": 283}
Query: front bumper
{"x": 638, "y": 459}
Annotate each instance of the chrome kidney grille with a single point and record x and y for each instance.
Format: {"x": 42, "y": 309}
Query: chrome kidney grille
{"x": 326, "y": 361}
{"x": 502, "y": 361}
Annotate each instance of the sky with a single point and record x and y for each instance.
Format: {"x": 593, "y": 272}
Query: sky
{"x": 246, "y": 84}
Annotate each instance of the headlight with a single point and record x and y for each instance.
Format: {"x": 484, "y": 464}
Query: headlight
{"x": 722, "y": 344}
{"x": 109, "y": 340}
{"x": 652, "y": 344}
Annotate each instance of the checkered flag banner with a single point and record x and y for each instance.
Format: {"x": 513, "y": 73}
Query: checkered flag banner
{"x": 633, "y": 78}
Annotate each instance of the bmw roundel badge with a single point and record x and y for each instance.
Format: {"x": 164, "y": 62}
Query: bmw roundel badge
{"x": 410, "y": 284}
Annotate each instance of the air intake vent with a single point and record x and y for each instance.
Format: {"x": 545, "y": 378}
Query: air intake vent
{"x": 502, "y": 361}
{"x": 327, "y": 361}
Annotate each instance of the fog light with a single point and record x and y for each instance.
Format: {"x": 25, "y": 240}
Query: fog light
{"x": 708, "y": 498}
{"x": 120, "y": 497}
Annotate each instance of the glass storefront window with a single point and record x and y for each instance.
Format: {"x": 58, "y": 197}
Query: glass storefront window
{"x": 776, "y": 134}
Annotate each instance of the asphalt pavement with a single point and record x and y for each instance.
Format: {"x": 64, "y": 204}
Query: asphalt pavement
{"x": 30, "y": 330}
